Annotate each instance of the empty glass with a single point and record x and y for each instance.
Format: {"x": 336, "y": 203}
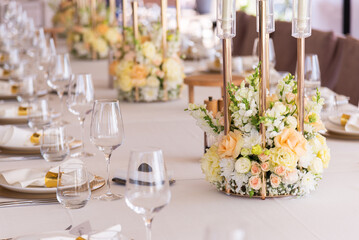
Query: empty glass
{"x": 147, "y": 185}
{"x": 27, "y": 89}
{"x": 80, "y": 102}
{"x": 73, "y": 188}
{"x": 272, "y": 59}
{"x": 59, "y": 75}
{"x": 311, "y": 74}
{"x": 106, "y": 133}
{"x": 39, "y": 114}
{"x": 54, "y": 146}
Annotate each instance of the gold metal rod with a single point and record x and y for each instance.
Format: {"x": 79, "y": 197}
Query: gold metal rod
{"x": 264, "y": 73}
{"x": 178, "y": 14}
{"x": 164, "y": 41}
{"x": 227, "y": 79}
{"x": 112, "y": 17}
{"x": 267, "y": 66}
{"x": 124, "y": 22}
{"x": 300, "y": 82}
{"x": 135, "y": 20}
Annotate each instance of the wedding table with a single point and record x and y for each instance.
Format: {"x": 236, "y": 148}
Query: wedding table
{"x": 331, "y": 212}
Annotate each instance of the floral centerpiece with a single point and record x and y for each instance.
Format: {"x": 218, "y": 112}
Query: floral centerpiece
{"x": 291, "y": 163}
{"x": 93, "y": 36}
{"x": 65, "y": 12}
{"x": 141, "y": 73}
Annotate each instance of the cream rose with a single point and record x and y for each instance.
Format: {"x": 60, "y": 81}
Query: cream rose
{"x": 263, "y": 157}
{"x": 148, "y": 50}
{"x": 243, "y": 165}
{"x": 316, "y": 166}
{"x": 292, "y": 140}
{"x": 282, "y": 157}
{"x": 255, "y": 182}
{"x": 324, "y": 155}
{"x": 275, "y": 180}
{"x": 230, "y": 145}
{"x": 210, "y": 165}
{"x": 153, "y": 81}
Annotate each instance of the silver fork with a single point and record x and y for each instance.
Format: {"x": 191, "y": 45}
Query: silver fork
{"x": 18, "y": 203}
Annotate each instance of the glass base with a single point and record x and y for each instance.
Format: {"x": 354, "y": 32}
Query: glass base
{"x": 82, "y": 154}
{"x": 109, "y": 197}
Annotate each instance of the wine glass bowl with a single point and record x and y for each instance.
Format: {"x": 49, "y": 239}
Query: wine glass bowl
{"x": 39, "y": 114}
{"x": 80, "y": 101}
{"x": 312, "y": 76}
{"x": 106, "y": 133}
{"x": 147, "y": 185}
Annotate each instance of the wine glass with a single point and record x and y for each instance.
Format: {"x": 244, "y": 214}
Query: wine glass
{"x": 59, "y": 75}
{"x": 80, "y": 101}
{"x": 39, "y": 114}
{"x": 147, "y": 185}
{"x": 106, "y": 133}
{"x": 272, "y": 59}
{"x": 27, "y": 89}
{"x": 311, "y": 73}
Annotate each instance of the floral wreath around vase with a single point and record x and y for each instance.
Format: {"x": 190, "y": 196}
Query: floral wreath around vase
{"x": 292, "y": 163}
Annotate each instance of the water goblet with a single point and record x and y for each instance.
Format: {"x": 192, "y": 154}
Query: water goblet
{"x": 147, "y": 185}
{"x": 39, "y": 115}
{"x": 73, "y": 189}
{"x": 80, "y": 101}
{"x": 54, "y": 146}
{"x": 106, "y": 133}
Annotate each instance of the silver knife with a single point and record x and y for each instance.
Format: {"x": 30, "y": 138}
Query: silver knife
{"x": 20, "y": 158}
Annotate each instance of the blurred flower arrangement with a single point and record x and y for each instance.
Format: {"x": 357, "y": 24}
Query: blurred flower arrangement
{"x": 93, "y": 37}
{"x": 65, "y": 13}
{"x": 291, "y": 163}
{"x": 140, "y": 71}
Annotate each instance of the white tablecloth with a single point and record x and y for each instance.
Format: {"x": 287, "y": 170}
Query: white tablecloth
{"x": 331, "y": 212}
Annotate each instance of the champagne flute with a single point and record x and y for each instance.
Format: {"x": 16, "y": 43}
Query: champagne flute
{"x": 147, "y": 185}
{"x": 60, "y": 74}
{"x": 80, "y": 101}
{"x": 106, "y": 133}
{"x": 311, "y": 74}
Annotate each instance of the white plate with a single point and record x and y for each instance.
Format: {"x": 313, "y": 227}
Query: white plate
{"x": 38, "y": 190}
{"x": 338, "y": 129}
{"x": 335, "y": 120}
{"x": 32, "y": 149}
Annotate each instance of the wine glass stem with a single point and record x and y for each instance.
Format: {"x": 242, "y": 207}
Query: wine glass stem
{"x": 82, "y": 124}
{"x": 107, "y": 157}
{"x": 148, "y": 224}
{"x": 61, "y": 94}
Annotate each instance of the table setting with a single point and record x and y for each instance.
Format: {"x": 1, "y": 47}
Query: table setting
{"x": 81, "y": 162}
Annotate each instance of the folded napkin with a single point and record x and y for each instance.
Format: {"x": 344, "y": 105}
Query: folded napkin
{"x": 31, "y": 177}
{"x": 109, "y": 233}
{"x": 9, "y": 111}
{"x": 352, "y": 124}
{"x": 14, "y": 136}
{"x": 5, "y": 88}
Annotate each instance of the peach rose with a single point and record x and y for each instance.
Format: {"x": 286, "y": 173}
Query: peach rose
{"x": 255, "y": 182}
{"x": 292, "y": 140}
{"x": 263, "y": 157}
{"x": 230, "y": 145}
{"x": 265, "y": 166}
{"x": 271, "y": 99}
{"x": 102, "y": 29}
{"x": 290, "y": 97}
{"x": 256, "y": 168}
{"x": 291, "y": 177}
{"x": 280, "y": 170}
{"x": 138, "y": 75}
{"x": 275, "y": 180}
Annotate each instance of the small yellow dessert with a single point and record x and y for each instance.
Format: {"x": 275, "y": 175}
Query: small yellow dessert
{"x": 51, "y": 179}
{"x": 14, "y": 89}
{"x": 344, "y": 119}
{"x": 22, "y": 111}
{"x": 35, "y": 138}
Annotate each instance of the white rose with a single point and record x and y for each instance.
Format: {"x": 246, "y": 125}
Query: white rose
{"x": 279, "y": 109}
{"x": 243, "y": 165}
{"x": 112, "y": 35}
{"x": 173, "y": 70}
{"x": 153, "y": 81}
{"x": 316, "y": 145}
{"x": 148, "y": 50}
{"x": 291, "y": 122}
{"x": 317, "y": 166}
{"x": 291, "y": 177}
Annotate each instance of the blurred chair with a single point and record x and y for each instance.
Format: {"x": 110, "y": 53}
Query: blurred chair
{"x": 245, "y": 34}
{"x": 347, "y": 69}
